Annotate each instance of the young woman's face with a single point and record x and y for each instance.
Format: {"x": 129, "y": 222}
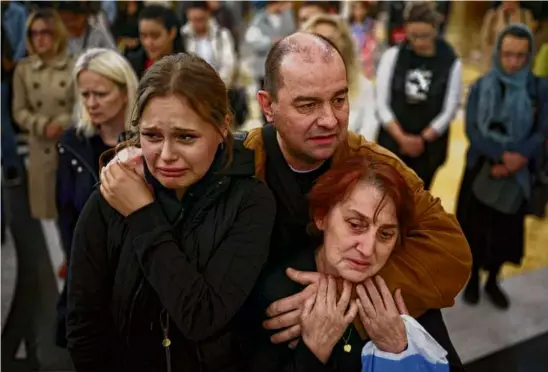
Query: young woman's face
{"x": 178, "y": 146}
{"x": 104, "y": 100}
{"x": 421, "y": 36}
{"x": 41, "y": 35}
{"x": 156, "y": 39}
{"x": 360, "y": 233}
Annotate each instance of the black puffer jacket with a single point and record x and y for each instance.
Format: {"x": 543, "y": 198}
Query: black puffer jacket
{"x": 197, "y": 258}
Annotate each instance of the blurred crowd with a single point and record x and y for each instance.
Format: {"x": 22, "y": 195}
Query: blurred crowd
{"x": 71, "y": 73}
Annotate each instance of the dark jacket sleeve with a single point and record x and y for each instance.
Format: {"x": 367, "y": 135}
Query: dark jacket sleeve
{"x": 89, "y": 326}
{"x": 433, "y": 323}
{"x": 67, "y": 214}
{"x": 203, "y": 302}
{"x": 269, "y": 357}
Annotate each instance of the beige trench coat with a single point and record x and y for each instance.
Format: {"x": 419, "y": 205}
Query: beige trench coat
{"x": 43, "y": 93}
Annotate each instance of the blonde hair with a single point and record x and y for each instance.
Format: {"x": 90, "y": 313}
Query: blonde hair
{"x": 347, "y": 48}
{"x": 113, "y": 66}
{"x": 60, "y": 35}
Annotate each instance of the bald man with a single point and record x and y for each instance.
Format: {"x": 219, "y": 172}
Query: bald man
{"x": 306, "y": 101}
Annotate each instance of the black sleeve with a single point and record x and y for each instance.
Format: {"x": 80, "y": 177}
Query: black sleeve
{"x": 202, "y": 303}
{"x": 90, "y": 332}
{"x": 433, "y": 322}
{"x": 269, "y": 357}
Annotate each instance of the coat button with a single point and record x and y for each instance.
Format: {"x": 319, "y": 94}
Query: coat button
{"x": 79, "y": 169}
{"x": 46, "y": 151}
{"x": 74, "y": 162}
{"x": 62, "y": 84}
{"x": 38, "y": 104}
{"x": 36, "y": 85}
{"x": 62, "y": 102}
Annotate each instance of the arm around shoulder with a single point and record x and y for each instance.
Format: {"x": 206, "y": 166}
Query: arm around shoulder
{"x": 433, "y": 262}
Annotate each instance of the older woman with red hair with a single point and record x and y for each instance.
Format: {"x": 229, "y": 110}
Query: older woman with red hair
{"x": 361, "y": 210}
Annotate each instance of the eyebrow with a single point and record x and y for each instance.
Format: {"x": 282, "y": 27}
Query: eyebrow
{"x": 316, "y": 99}
{"x": 171, "y": 128}
{"x": 364, "y": 217}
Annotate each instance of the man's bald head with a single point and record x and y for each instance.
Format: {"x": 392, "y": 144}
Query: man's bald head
{"x": 308, "y": 47}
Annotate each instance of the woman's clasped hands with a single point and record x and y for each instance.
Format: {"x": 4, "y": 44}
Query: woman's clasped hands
{"x": 325, "y": 319}
{"x": 124, "y": 189}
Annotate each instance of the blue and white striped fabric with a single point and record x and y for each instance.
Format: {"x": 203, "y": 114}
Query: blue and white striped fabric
{"x": 423, "y": 353}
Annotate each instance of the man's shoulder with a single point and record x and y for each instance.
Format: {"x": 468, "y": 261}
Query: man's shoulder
{"x": 358, "y": 145}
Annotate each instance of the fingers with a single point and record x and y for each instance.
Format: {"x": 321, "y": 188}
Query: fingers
{"x": 283, "y": 321}
{"x": 331, "y": 299}
{"x": 400, "y": 303}
{"x": 303, "y": 277}
{"x": 290, "y": 303}
{"x": 286, "y": 335}
{"x": 293, "y": 344}
{"x": 321, "y": 294}
{"x": 352, "y": 312}
{"x": 368, "y": 308}
{"x": 387, "y": 297}
{"x": 307, "y": 309}
{"x": 345, "y": 296}
{"x": 361, "y": 312}
{"x": 374, "y": 294}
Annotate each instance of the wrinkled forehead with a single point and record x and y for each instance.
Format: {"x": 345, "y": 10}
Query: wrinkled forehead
{"x": 312, "y": 73}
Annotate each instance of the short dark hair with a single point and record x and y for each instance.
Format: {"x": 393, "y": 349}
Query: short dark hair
{"x": 275, "y": 57}
{"x": 202, "y": 5}
{"x": 75, "y": 7}
{"x": 422, "y": 12}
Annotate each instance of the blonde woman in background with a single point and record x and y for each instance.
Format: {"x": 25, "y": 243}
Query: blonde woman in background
{"x": 496, "y": 19}
{"x": 43, "y": 100}
{"x": 362, "y": 119}
{"x": 107, "y": 87}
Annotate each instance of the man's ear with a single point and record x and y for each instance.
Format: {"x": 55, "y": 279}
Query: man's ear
{"x": 266, "y": 102}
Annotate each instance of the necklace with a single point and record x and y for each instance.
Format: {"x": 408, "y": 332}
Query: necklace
{"x": 347, "y": 347}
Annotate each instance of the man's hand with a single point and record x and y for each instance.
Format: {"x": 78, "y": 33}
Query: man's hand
{"x": 514, "y": 161}
{"x": 285, "y": 314}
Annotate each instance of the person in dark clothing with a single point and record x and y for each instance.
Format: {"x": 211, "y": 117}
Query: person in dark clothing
{"x": 418, "y": 94}
{"x": 507, "y": 126}
{"x": 159, "y": 36}
{"x": 107, "y": 88}
{"x": 306, "y": 97}
{"x": 125, "y": 28}
{"x": 161, "y": 266}
{"x": 361, "y": 208}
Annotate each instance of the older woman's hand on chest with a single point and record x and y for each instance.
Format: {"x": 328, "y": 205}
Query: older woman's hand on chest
{"x": 124, "y": 189}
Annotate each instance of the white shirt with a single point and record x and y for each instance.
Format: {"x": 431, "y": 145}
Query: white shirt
{"x": 384, "y": 88}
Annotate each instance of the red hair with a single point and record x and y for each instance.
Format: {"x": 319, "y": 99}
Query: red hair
{"x": 335, "y": 185}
